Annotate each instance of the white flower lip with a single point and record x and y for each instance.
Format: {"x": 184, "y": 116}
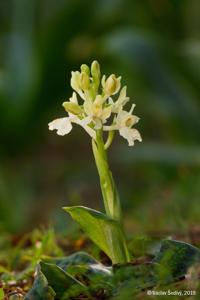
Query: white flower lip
{"x": 98, "y": 110}
{"x": 130, "y": 134}
{"x": 63, "y": 126}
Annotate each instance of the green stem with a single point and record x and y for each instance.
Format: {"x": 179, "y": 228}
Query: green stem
{"x": 108, "y": 188}
{"x": 109, "y": 191}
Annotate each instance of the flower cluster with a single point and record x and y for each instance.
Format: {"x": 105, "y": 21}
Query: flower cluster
{"x": 100, "y": 107}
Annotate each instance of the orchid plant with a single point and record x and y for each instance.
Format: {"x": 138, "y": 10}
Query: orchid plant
{"x": 98, "y": 105}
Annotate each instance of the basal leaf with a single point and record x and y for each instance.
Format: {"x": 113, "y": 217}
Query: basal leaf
{"x": 170, "y": 263}
{"x": 78, "y": 258}
{"x": 102, "y": 230}
{"x": 80, "y": 275}
{"x": 86, "y": 269}
{"x": 60, "y": 280}
{"x": 175, "y": 258}
{"x": 40, "y": 289}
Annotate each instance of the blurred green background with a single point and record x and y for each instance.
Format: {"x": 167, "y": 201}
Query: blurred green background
{"x": 155, "y": 46}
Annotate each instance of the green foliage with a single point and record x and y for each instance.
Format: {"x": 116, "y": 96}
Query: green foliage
{"x": 80, "y": 274}
{"x": 102, "y": 230}
{"x": 176, "y": 258}
{"x": 156, "y": 49}
{"x": 59, "y": 280}
{"x": 155, "y": 46}
{"x": 19, "y": 256}
{"x": 41, "y": 289}
{"x": 1, "y": 294}
{"x": 62, "y": 274}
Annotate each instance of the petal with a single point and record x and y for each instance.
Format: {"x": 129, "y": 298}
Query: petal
{"x": 103, "y": 81}
{"x": 81, "y": 94}
{"x": 121, "y": 101}
{"x": 122, "y": 94}
{"x": 76, "y": 84}
{"x": 106, "y": 113}
{"x": 74, "y": 98}
{"x": 125, "y": 117}
{"x": 98, "y": 124}
{"x": 110, "y": 101}
{"x": 88, "y": 107}
{"x": 84, "y": 123}
{"x": 99, "y": 100}
{"x": 121, "y": 118}
{"x": 118, "y": 85}
{"x": 132, "y": 108}
{"x": 62, "y": 125}
{"x": 75, "y": 80}
{"x": 136, "y": 119}
{"x": 130, "y": 134}
{"x": 72, "y": 108}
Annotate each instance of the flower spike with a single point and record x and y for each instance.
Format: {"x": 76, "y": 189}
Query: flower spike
{"x": 98, "y": 110}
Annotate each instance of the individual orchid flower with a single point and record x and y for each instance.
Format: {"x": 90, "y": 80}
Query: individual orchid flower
{"x": 76, "y": 83}
{"x": 126, "y": 119}
{"x": 64, "y": 125}
{"x": 123, "y": 122}
{"x": 72, "y": 106}
{"x": 97, "y": 111}
{"x": 111, "y": 85}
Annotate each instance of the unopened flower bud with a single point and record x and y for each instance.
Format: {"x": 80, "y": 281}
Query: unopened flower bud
{"x": 85, "y": 69}
{"x": 73, "y": 108}
{"x": 95, "y": 70}
{"x": 75, "y": 80}
{"x": 84, "y": 81}
{"x": 112, "y": 85}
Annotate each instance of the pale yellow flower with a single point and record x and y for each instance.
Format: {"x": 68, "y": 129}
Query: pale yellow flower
{"x": 126, "y": 119}
{"x": 76, "y": 83}
{"x": 98, "y": 109}
{"x": 123, "y": 122}
{"x": 111, "y": 85}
